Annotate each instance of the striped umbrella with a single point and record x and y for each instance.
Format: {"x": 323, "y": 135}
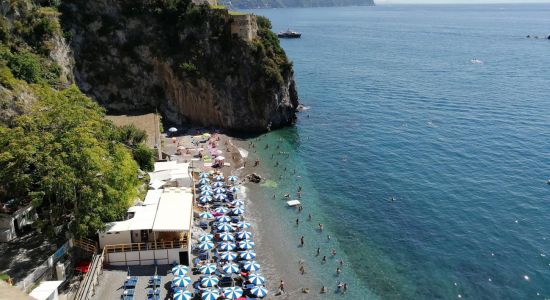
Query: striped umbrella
{"x": 243, "y": 225}
{"x": 206, "y": 245}
{"x": 237, "y": 210}
{"x": 204, "y": 175}
{"x": 227, "y": 246}
{"x": 259, "y": 291}
{"x": 180, "y": 270}
{"x": 208, "y": 269}
{"x": 218, "y": 178}
{"x": 229, "y": 268}
{"x": 228, "y": 255}
{"x": 224, "y": 227}
{"x": 207, "y": 237}
{"x": 182, "y": 295}
{"x": 204, "y": 181}
{"x": 233, "y": 189}
{"x": 218, "y": 184}
{"x": 220, "y": 197}
{"x": 221, "y": 210}
{"x": 226, "y": 236}
{"x": 233, "y": 292}
{"x": 246, "y": 244}
{"x": 209, "y": 281}
{"x": 248, "y": 255}
{"x": 210, "y": 294}
{"x": 181, "y": 281}
{"x": 251, "y": 266}
{"x": 219, "y": 190}
{"x": 205, "y": 187}
{"x": 256, "y": 279}
{"x": 206, "y": 193}
{"x": 206, "y": 215}
{"x": 232, "y": 178}
{"x": 237, "y": 202}
{"x": 244, "y": 235}
{"x": 205, "y": 199}
{"x": 223, "y": 219}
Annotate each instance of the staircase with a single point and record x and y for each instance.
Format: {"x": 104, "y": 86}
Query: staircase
{"x": 87, "y": 245}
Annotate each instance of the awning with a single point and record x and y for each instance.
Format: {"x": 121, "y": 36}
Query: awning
{"x": 175, "y": 210}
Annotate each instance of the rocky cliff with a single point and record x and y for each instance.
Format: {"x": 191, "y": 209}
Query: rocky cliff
{"x": 182, "y": 60}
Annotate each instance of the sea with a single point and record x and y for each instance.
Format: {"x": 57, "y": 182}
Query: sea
{"x": 424, "y": 150}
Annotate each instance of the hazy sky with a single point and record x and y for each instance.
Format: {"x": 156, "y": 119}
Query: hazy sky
{"x": 460, "y": 1}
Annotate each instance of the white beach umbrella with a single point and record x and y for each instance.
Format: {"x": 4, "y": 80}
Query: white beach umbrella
{"x": 206, "y": 245}
{"x": 172, "y": 129}
{"x": 205, "y": 199}
{"x": 228, "y": 255}
{"x": 218, "y": 178}
{"x": 232, "y": 178}
{"x": 219, "y": 190}
{"x": 206, "y": 215}
{"x": 205, "y": 188}
{"x": 181, "y": 281}
{"x": 208, "y": 269}
{"x": 256, "y": 279}
{"x": 204, "y": 175}
{"x": 207, "y": 237}
{"x": 224, "y": 227}
{"x": 229, "y": 268}
{"x": 233, "y": 189}
{"x": 238, "y": 210}
{"x": 209, "y": 281}
{"x": 233, "y": 292}
{"x": 180, "y": 270}
{"x": 248, "y": 255}
{"x": 259, "y": 291}
{"x": 220, "y": 197}
{"x": 218, "y": 184}
{"x": 243, "y": 225}
{"x": 182, "y": 295}
{"x": 223, "y": 219}
{"x": 210, "y": 294}
{"x": 204, "y": 181}
{"x": 227, "y": 246}
{"x": 221, "y": 210}
{"x": 226, "y": 236}
{"x": 237, "y": 202}
{"x": 244, "y": 235}
{"x": 246, "y": 244}
{"x": 206, "y": 193}
{"x": 251, "y": 266}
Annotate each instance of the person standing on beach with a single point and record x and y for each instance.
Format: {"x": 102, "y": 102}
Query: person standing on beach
{"x": 302, "y": 241}
{"x": 282, "y": 287}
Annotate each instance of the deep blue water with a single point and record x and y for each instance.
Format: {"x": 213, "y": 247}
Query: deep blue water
{"x": 398, "y": 110}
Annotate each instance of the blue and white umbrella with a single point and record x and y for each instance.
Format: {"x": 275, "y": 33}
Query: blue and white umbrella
{"x": 246, "y": 244}
{"x": 209, "y": 281}
{"x": 232, "y": 178}
{"x": 205, "y": 199}
{"x": 226, "y": 236}
{"x": 208, "y": 269}
{"x": 256, "y": 279}
{"x": 228, "y": 255}
{"x": 233, "y": 292}
{"x": 233, "y": 189}
{"x": 204, "y": 181}
{"x": 227, "y": 246}
{"x": 229, "y": 268}
{"x": 224, "y": 227}
{"x": 251, "y": 266}
{"x": 181, "y": 281}
{"x": 219, "y": 190}
{"x": 205, "y": 188}
{"x": 247, "y": 255}
{"x": 244, "y": 235}
{"x": 218, "y": 178}
{"x": 223, "y": 219}
{"x": 243, "y": 225}
{"x": 206, "y": 245}
{"x": 221, "y": 210}
{"x": 220, "y": 197}
{"x": 210, "y": 294}
{"x": 218, "y": 184}
{"x": 180, "y": 270}
{"x": 259, "y": 291}
{"x": 237, "y": 202}
{"x": 206, "y": 215}
{"x": 182, "y": 295}
{"x": 206, "y": 193}
{"x": 237, "y": 210}
{"x": 207, "y": 237}
{"x": 204, "y": 175}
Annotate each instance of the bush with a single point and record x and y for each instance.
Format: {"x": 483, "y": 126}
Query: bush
{"x": 25, "y": 66}
{"x": 145, "y": 157}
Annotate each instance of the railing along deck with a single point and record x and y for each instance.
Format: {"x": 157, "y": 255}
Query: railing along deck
{"x": 145, "y": 246}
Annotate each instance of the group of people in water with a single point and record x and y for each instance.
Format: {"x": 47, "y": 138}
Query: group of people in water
{"x": 341, "y": 287}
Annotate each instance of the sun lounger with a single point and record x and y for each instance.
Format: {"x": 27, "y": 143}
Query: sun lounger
{"x": 127, "y": 297}
{"x": 128, "y": 292}
{"x": 155, "y": 282}
{"x": 153, "y": 292}
{"x": 153, "y": 297}
{"x": 130, "y": 284}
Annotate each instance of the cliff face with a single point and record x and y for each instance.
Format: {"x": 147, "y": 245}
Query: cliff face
{"x": 243, "y": 4}
{"x": 181, "y": 59}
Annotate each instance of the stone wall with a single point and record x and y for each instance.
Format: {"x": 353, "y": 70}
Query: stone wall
{"x": 244, "y": 25}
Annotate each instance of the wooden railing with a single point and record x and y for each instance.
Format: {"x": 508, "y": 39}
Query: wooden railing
{"x": 86, "y": 245}
{"x": 91, "y": 278}
{"x": 145, "y": 246}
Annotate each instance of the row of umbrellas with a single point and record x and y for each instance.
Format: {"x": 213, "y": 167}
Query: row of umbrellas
{"x": 232, "y": 293}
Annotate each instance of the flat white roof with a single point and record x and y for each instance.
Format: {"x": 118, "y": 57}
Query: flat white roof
{"x": 165, "y": 165}
{"x": 144, "y": 218}
{"x": 175, "y": 210}
{"x": 152, "y": 197}
{"x": 45, "y": 290}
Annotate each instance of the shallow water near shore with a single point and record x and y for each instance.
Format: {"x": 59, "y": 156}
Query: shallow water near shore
{"x": 427, "y": 170}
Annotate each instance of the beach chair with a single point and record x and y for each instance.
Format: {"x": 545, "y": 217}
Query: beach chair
{"x": 127, "y": 297}
{"x": 153, "y": 292}
{"x": 153, "y": 297}
{"x": 128, "y": 292}
{"x": 130, "y": 284}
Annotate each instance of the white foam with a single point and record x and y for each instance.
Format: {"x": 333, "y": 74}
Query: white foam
{"x": 243, "y": 152}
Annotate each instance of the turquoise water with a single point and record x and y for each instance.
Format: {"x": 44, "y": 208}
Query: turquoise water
{"x": 398, "y": 110}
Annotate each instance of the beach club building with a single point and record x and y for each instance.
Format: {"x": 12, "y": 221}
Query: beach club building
{"x": 156, "y": 232}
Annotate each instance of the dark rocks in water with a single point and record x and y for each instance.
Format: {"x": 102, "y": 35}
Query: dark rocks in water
{"x": 255, "y": 178}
